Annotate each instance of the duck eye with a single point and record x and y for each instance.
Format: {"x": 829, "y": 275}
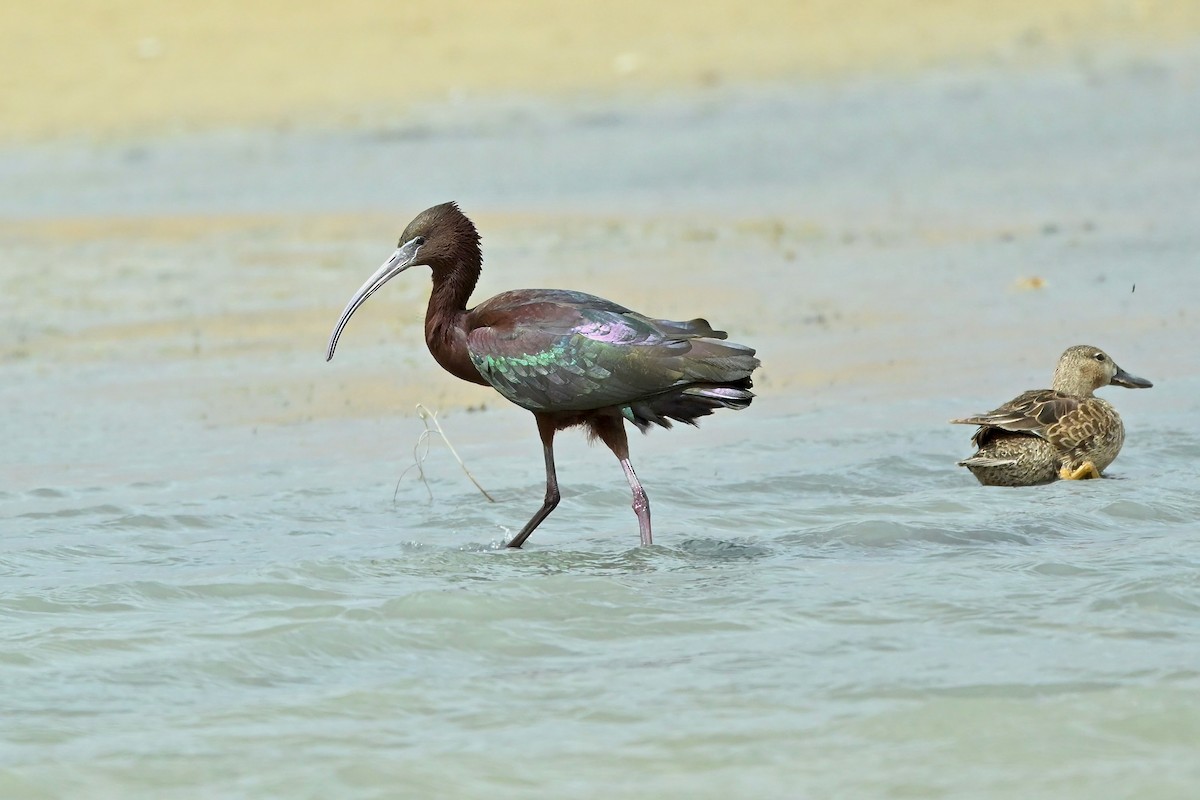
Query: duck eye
{"x": 420, "y": 240}
{"x": 1099, "y": 357}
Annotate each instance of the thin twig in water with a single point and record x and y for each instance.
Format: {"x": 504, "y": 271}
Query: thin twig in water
{"x": 430, "y": 417}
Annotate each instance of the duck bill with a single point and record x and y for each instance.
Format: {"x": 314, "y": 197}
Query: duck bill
{"x": 404, "y": 257}
{"x": 1123, "y": 378}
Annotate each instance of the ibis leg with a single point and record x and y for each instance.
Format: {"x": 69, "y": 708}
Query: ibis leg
{"x": 612, "y": 432}
{"x": 641, "y": 503}
{"x": 546, "y": 431}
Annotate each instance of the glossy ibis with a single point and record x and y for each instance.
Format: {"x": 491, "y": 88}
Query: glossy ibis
{"x": 570, "y": 358}
{"x": 1062, "y": 432}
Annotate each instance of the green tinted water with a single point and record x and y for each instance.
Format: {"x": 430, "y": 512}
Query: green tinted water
{"x": 208, "y": 589}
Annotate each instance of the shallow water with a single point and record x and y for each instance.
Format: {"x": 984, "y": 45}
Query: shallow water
{"x": 210, "y": 590}
{"x": 862, "y": 621}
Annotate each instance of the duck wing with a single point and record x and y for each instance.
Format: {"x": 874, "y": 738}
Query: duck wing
{"x": 1038, "y": 412}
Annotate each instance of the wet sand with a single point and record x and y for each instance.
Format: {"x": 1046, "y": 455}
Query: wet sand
{"x": 946, "y": 236}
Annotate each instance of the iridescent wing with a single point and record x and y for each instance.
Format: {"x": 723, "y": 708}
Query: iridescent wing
{"x": 549, "y": 350}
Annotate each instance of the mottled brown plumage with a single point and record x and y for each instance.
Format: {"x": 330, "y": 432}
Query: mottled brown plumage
{"x": 1061, "y": 432}
{"x": 568, "y": 357}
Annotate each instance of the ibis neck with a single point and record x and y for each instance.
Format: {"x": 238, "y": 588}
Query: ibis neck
{"x": 452, "y": 288}
{"x": 445, "y": 319}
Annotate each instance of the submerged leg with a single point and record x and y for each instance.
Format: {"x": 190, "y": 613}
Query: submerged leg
{"x": 612, "y": 432}
{"x": 546, "y": 431}
{"x": 1084, "y": 471}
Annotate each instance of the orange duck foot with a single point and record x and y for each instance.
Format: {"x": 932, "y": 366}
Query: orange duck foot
{"x": 1084, "y": 471}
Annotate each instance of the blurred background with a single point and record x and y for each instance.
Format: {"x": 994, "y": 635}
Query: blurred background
{"x": 109, "y": 69}
{"x": 220, "y": 580}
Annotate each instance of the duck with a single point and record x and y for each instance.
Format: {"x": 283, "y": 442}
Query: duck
{"x": 1065, "y": 432}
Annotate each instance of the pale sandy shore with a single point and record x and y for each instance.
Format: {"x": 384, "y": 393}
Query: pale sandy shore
{"x": 133, "y": 67}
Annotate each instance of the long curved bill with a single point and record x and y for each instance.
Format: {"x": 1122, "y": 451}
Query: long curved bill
{"x": 399, "y": 261}
{"x": 1123, "y": 378}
